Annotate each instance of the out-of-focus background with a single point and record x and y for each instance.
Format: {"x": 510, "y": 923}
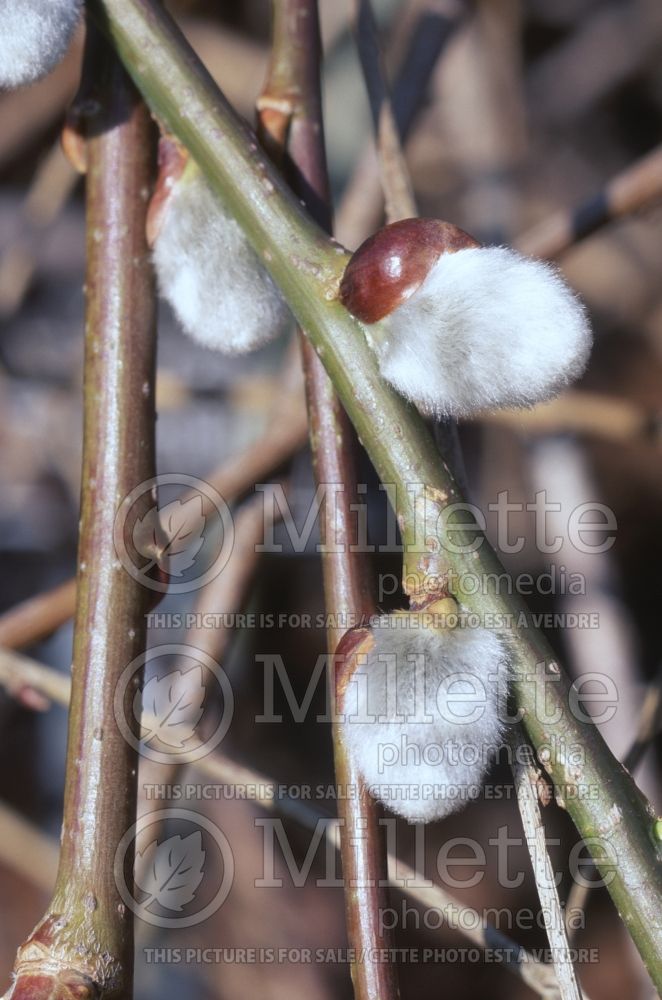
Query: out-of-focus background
{"x": 532, "y": 108}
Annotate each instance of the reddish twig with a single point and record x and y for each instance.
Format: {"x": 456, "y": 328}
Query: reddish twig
{"x": 83, "y": 946}
{"x": 290, "y": 112}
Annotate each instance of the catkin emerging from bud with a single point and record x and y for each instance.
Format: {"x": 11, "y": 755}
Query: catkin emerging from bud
{"x": 487, "y": 328}
{"x": 34, "y": 36}
{"x": 457, "y": 327}
{"x": 210, "y": 274}
{"x": 423, "y": 713}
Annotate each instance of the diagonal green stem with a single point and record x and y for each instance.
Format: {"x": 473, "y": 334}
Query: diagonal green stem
{"x": 303, "y": 260}
{"x": 602, "y": 799}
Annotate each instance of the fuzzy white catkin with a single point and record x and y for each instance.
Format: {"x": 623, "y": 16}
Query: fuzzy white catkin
{"x": 487, "y": 328}
{"x": 34, "y": 36}
{"x": 421, "y": 748}
{"x": 211, "y": 276}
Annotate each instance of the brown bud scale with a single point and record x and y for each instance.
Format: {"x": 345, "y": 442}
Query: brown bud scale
{"x": 173, "y": 158}
{"x": 388, "y": 268}
{"x": 356, "y": 641}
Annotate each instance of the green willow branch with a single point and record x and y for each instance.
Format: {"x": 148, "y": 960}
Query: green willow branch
{"x": 396, "y": 183}
{"x": 398, "y": 193}
{"x": 83, "y": 946}
{"x": 290, "y": 109}
{"x": 599, "y": 794}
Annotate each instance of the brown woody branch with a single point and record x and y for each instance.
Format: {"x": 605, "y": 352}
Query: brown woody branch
{"x": 83, "y": 946}
{"x": 290, "y": 112}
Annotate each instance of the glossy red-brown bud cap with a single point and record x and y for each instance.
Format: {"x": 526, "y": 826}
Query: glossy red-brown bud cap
{"x": 173, "y": 158}
{"x": 388, "y": 268}
{"x": 357, "y": 641}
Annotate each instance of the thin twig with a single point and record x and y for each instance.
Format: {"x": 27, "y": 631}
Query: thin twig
{"x": 84, "y": 943}
{"x": 291, "y": 114}
{"x": 20, "y": 675}
{"x": 37, "y": 617}
{"x": 583, "y": 413}
{"x": 363, "y": 200}
{"x": 525, "y": 776}
{"x": 396, "y": 182}
{"x": 637, "y": 187}
{"x": 436, "y": 25}
{"x": 221, "y": 770}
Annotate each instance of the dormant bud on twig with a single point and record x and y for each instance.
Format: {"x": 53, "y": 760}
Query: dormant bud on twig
{"x": 206, "y": 268}
{"x": 458, "y": 327}
{"x": 34, "y": 36}
{"x": 423, "y": 705}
